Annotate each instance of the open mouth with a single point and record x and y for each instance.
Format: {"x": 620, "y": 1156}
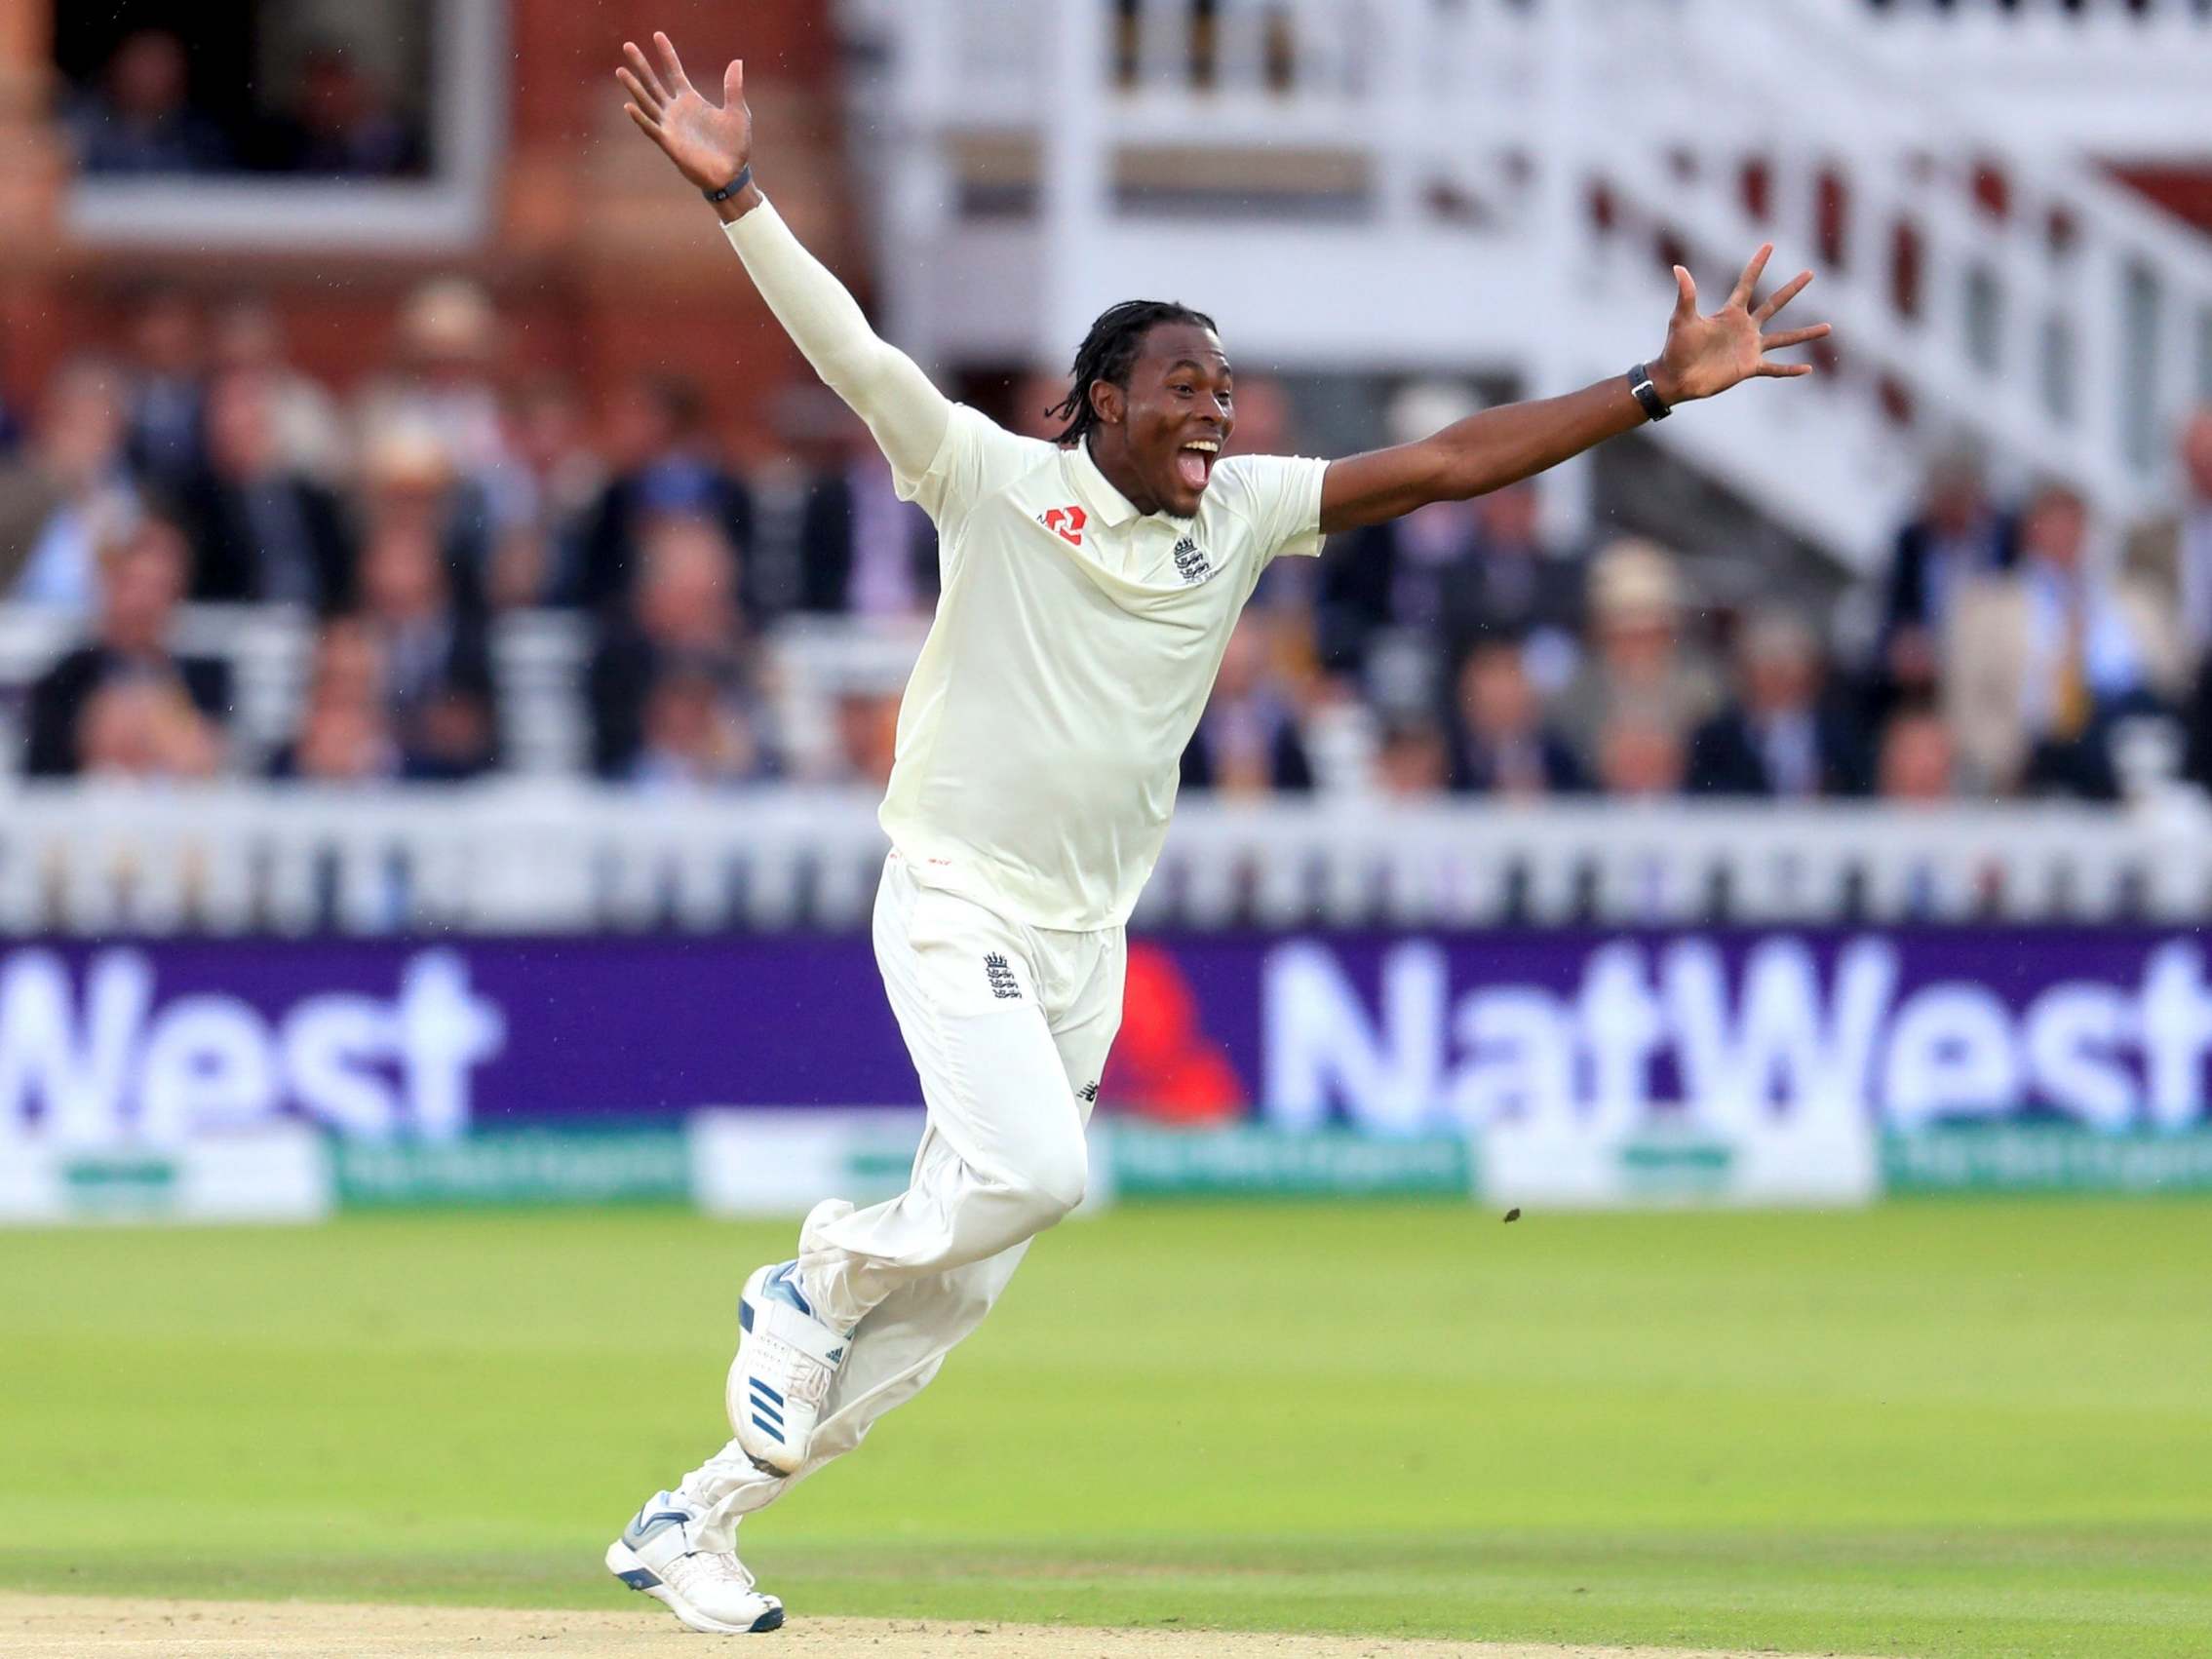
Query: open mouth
{"x": 1194, "y": 462}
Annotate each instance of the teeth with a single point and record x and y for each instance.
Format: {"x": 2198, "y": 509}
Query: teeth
{"x": 1205, "y": 444}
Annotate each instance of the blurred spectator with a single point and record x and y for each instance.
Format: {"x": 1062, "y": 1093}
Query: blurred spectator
{"x": 1639, "y": 755}
{"x": 1512, "y": 585}
{"x": 1410, "y": 760}
{"x": 553, "y": 478}
{"x": 437, "y": 686}
{"x": 694, "y": 735}
{"x": 1783, "y": 737}
{"x": 1248, "y": 741}
{"x": 342, "y": 123}
{"x": 1501, "y": 745}
{"x": 408, "y": 479}
{"x": 248, "y": 338}
{"x": 2040, "y": 661}
{"x": 148, "y": 729}
{"x": 860, "y": 550}
{"x": 343, "y": 736}
{"x": 2172, "y": 556}
{"x": 683, "y": 615}
{"x": 1958, "y": 536}
{"x": 262, "y": 531}
{"x": 667, "y": 469}
{"x": 1917, "y": 759}
{"x": 447, "y": 342}
{"x": 1265, "y": 418}
{"x": 67, "y": 492}
{"x": 165, "y": 391}
{"x": 1638, "y": 659}
{"x": 868, "y": 735}
{"x": 1394, "y": 575}
{"x": 1035, "y": 396}
{"x": 138, "y": 120}
{"x": 171, "y": 723}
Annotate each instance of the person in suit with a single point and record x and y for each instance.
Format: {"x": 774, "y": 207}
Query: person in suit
{"x": 1501, "y": 744}
{"x": 178, "y": 703}
{"x": 1958, "y": 537}
{"x": 262, "y": 531}
{"x": 860, "y": 550}
{"x": 438, "y": 692}
{"x": 1248, "y": 740}
{"x": 2040, "y": 661}
{"x": 671, "y": 471}
{"x": 683, "y": 625}
{"x": 2171, "y": 556}
{"x": 1782, "y": 737}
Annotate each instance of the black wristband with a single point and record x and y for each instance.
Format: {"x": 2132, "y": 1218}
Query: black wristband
{"x": 733, "y": 187}
{"x": 1656, "y": 407}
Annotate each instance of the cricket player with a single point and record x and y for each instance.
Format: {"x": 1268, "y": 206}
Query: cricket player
{"x": 1089, "y": 586}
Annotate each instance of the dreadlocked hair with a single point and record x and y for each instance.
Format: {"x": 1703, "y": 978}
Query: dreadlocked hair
{"x": 1109, "y": 352}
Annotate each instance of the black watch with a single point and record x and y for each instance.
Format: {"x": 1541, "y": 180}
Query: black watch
{"x": 733, "y": 187}
{"x": 1640, "y": 382}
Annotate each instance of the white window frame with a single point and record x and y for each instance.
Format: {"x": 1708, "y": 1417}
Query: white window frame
{"x": 451, "y": 207}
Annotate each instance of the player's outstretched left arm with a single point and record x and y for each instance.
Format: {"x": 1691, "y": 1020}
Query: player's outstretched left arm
{"x": 1703, "y": 355}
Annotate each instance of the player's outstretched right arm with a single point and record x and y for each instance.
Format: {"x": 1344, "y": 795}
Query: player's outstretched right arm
{"x": 712, "y": 146}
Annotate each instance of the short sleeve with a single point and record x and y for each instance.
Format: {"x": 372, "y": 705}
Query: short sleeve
{"x": 976, "y": 458}
{"x": 1279, "y": 497}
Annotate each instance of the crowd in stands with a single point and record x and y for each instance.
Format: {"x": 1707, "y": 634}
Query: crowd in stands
{"x": 1457, "y": 651}
{"x": 333, "y": 117}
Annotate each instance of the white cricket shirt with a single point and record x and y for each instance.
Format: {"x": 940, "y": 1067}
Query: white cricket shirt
{"x": 1075, "y": 645}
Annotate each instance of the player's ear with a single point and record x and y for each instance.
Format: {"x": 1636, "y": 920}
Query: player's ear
{"x": 1109, "y": 402}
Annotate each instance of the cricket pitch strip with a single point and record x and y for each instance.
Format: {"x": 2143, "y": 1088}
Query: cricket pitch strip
{"x": 90, "y": 1627}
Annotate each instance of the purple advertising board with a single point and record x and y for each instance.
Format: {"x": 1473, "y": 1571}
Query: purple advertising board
{"x": 1390, "y": 1032}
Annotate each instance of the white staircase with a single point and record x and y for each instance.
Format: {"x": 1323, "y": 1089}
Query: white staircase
{"x": 1430, "y": 186}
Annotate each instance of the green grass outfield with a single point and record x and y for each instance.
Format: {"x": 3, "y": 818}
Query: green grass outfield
{"x": 1932, "y": 1428}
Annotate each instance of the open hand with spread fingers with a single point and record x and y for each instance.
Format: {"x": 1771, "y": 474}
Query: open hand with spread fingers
{"x": 1707, "y": 355}
{"x": 711, "y": 144}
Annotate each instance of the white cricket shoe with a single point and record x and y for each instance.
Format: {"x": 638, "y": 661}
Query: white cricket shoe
{"x": 708, "y": 1591}
{"x": 785, "y": 1358}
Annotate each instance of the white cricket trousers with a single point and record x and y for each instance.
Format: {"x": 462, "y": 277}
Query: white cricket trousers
{"x": 1009, "y": 1028}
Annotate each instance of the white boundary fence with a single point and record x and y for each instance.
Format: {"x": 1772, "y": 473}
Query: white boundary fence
{"x": 558, "y": 856}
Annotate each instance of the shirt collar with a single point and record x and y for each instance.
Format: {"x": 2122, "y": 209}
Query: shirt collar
{"x": 1099, "y": 497}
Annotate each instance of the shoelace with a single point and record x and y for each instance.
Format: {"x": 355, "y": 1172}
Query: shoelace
{"x": 808, "y": 1379}
{"x": 702, "y": 1570}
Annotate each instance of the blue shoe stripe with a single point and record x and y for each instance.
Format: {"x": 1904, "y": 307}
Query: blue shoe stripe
{"x": 638, "y": 1578}
{"x": 744, "y": 1313}
{"x": 784, "y": 1282}
{"x": 762, "y": 1409}
{"x": 775, "y": 1431}
{"x": 760, "y": 1386}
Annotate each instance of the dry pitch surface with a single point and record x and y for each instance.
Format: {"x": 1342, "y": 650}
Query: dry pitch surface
{"x": 88, "y": 1627}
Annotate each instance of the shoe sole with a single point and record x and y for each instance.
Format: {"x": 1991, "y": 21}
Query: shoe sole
{"x": 623, "y": 1562}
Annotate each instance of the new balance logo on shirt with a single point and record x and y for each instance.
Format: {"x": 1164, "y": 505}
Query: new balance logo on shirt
{"x": 1089, "y": 1092}
{"x": 1190, "y": 562}
{"x": 1000, "y": 973}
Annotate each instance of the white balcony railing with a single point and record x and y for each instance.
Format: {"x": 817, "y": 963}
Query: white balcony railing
{"x": 551, "y": 856}
{"x": 1495, "y": 185}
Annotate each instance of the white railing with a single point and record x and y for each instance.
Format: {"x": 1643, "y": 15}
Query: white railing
{"x": 1408, "y": 184}
{"x": 548, "y": 858}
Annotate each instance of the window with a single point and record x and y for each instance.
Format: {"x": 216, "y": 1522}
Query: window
{"x": 282, "y": 122}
